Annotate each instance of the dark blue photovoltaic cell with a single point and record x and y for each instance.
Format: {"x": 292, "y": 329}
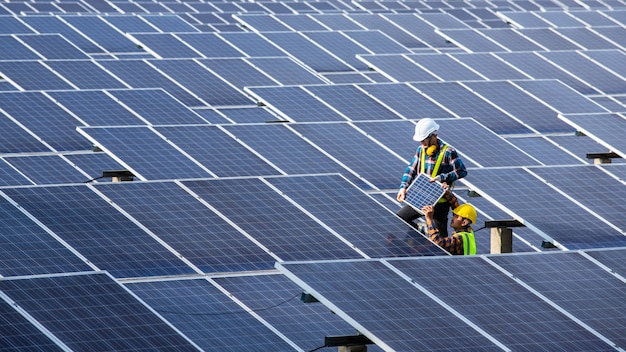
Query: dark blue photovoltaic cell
{"x": 261, "y": 23}
{"x": 252, "y": 44}
{"x": 521, "y": 106}
{"x": 355, "y": 150}
{"x": 377, "y": 42}
{"x": 296, "y": 104}
{"x": 209, "y": 45}
{"x": 18, "y": 334}
{"x": 303, "y": 323}
{"x": 285, "y": 70}
{"x": 606, "y": 129}
{"x": 398, "y": 67}
{"x": 585, "y": 290}
{"x": 157, "y": 107}
{"x": 188, "y": 226}
{"x": 98, "y": 231}
{"x": 584, "y": 37}
{"x": 375, "y": 21}
{"x": 45, "y": 119}
{"x": 391, "y": 311}
{"x": 54, "y": 25}
{"x": 548, "y": 39}
{"x": 196, "y": 307}
{"x": 424, "y": 27}
{"x": 249, "y": 115}
{"x": 169, "y": 23}
{"x": 422, "y": 192}
{"x": 271, "y": 219}
{"x": 95, "y": 108}
{"x": 351, "y": 102}
{"x": 510, "y": 39}
{"x": 341, "y": 46}
{"x": 285, "y": 149}
{"x": 470, "y": 40}
{"x": 545, "y": 151}
{"x": 93, "y": 312}
{"x": 343, "y": 207}
{"x": 503, "y": 308}
{"x": 145, "y": 153}
{"x": 613, "y": 259}
{"x": 489, "y": 66}
{"x": 306, "y": 51}
{"x": 217, "y": 151}
{"x": 46, "y": 169}
{"x": 467, "y": 104}
{"x": 591, "y": 187}
{"x": 238, "y": 72}
{"x": 405, "y": 100}
{"x": 27, "y": 249}
{"x": 129, "y": 24}
{"x": 444, "y": 67}
{"x": 138, "y": 74}
{"x": 85, "y": 74}
{"x": 166, "y": 45}
{"x": 11, "y": 25}
{"x": 53, "y": 46}
{"x": 537, "y": 204}
{"x": 12, "y": 49}
{"x": 301, "y": 23}
{"x": 103, "y": 34}
{"x": 93, "y": 164}
{"x": 32, "y": 75}
{"x": 202, "y": 82}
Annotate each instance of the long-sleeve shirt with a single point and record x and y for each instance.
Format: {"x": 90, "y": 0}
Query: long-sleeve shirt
{"x": 452, "y": 243}
{"x": 451, "y": 168}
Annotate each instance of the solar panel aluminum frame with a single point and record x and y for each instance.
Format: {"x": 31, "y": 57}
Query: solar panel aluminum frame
{"x": 423, "y": 192}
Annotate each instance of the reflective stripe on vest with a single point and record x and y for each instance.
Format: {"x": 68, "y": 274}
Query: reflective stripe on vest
{"x": 435, "y": 172}
{"x": 469, "y": 244}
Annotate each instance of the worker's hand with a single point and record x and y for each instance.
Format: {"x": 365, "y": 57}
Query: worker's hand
{"x": 445, "y": 186}
{"x": 401, "y": 195}
{"x": 428, "y": 211}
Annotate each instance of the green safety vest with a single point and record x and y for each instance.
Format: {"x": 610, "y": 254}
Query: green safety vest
{"x": 435, "y": 172}
{"x": 469, "y": 244}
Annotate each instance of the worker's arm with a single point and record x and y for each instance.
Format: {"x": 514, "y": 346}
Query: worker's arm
{"x": 451, "y": 198}
{"x": 409, "y": 174}
{"x": 455, "y": 170}
{"x": 453, "y": 244}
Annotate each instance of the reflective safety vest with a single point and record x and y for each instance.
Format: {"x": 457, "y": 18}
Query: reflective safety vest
{"x": 469, "y": 244}
{"x": 435, "y": 172}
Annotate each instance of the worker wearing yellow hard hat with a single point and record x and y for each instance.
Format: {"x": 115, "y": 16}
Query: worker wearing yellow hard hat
{"x": 462, "y": 241}
{"x": 436, "y": 159}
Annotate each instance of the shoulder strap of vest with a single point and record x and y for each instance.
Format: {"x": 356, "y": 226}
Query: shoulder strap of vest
{"x": 442, "y": 153}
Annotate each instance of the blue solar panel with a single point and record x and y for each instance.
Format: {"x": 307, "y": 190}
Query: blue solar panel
{"x": 12, "y": 49}
{"x": 196, "y": 306}
{"x": 92, "y": 311}
{"x": 157, "y": 107}
{"x": 422, "y": 192}
{"x": 572, "y": 281}
{"x": 286, "y": 71}
{"x": 351, "y": 102}
{"x": 46, "y": 169}
{"x": 252, "y": 44}
{"x": 300, "y": 23}
{"x": 103, "y": 34}
{"x": 19, "y": 334}
{"x": 165, "y": 45}
{"x": 559, "y": 96}
{"x": 188, "y": 226}
{"x": 210, "y": 45}
{"x": 341, "y": 46}
{"x": 54, "y": 25}
{"x": 465, "y": 103}
{"x": 424, "y": 28}
{"x": 385, "y": 307}
{"x": 612, "y": 259}
{"x": 405, "y": 100}
{"x": 85, "y": 74}
{"x": 272, "y": 220}
{"x": 93, "y": 163}
{"x": 169, "y": 23}
{"x": 547, "y": 152}
{"x": 95, "y": 108}
{"x": 523, "y": 107}
{"x": 249, "y": 115}
{"x": 377, "y": 42}
{"x": 28, "y": 249}
{"x": 53, "y": 125}
{"x": 307, "y": 323}
{"x": 606, "y": 129}
{"x": 138, "y": 74}
{"x": 295, "y": 104}
{"x": 238, "y": 72}
{"x": 53, "y": 46}
{"x": 375, "y": 21}
{"x": 100, "y": 233}
{"x": 129, "y": 24}
{"x": 505, "y": 309}
{"x": 130, "y": 145}
{"x": 444, "y": 67}
{"x": 349, "y": 147}
{"x": 306, "y": 51}
{"x": 11, "y": 25}
{"x": 217, "y": 151}
{"x": 398, "y": 68}
{"x": 343, "y": 207}
{"x": 261, "y": 23}
{"x": 586, "y": 38}
{"x": 510, "y": 39}
{"x": 543, "y": 209}
{"x": 336, "y": 21}
{"x": 470, "y": 40}
{"x": 201, "y": 82}
{"x": 32, "y": 75}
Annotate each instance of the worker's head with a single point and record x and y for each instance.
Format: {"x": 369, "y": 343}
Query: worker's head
{"x": 426, "y": 133}
{"x": 463, "y": 216}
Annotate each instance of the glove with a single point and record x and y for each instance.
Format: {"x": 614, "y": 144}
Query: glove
{"x": 401, "y": 195}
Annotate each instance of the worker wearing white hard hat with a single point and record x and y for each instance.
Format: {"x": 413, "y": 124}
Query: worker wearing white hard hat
{"x": 436, "y": 159}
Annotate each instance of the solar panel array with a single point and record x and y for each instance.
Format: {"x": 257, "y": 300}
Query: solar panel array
{"x": 267, "y": 140}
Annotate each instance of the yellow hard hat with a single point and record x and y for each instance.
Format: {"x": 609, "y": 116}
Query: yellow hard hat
{"x": 466, "y": 211}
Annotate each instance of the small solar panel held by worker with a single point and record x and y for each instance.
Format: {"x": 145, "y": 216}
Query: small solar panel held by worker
{"x": 422, "y": 192}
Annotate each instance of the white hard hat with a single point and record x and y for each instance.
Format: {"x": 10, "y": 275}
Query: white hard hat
{"x": 424, "y": 128}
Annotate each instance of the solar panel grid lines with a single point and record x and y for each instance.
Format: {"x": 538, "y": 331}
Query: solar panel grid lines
{"x": 603, "y": 128}
{"x": 470, "y": 40}
{"x": 423, "y": 192}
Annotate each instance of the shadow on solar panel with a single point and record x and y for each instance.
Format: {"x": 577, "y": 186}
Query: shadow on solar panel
{"x": 422, "y": 192}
